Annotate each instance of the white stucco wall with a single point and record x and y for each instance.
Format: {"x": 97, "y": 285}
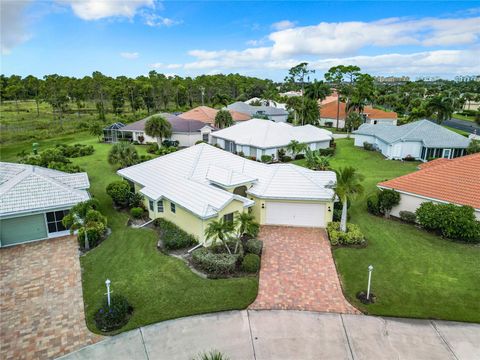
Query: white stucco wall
{"x": 341, "y": 123}
{"x": 381, "y": 121}
{"x": 360, "y": 139}
{"x": 184, "y": 139}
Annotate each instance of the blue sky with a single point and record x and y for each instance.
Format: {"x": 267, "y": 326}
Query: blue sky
{"x": 125, "y": 37}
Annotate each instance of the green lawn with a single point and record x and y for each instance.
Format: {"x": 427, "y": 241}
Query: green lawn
{"x": 461, "y": 132}
{"x": 159, "y": 287}
{"x": 464, "y": 117}
{"x": 416, "y": 274}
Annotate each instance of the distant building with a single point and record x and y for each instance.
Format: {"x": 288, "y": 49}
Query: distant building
{"x": 291, "y": 93}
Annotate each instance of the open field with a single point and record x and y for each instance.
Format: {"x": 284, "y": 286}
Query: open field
{"x": 416, "y": 274}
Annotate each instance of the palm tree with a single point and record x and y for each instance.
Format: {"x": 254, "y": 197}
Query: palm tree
{"x": 96, "y": 129}
{"x": 318, "y": 90}
{"x": 296, "y": 147}
{"x": 123, "y": 154}
{"x": 158, "y": 127}
{"x": 245, "y": 224}
{"x": 348, "y": 186}
{"x": 81, "y": 216}
{"x": 315, "y": 161}
{"x": 441, "y": 107}
{"x": 219, "y": 230}
{"x": 223, "y": 119}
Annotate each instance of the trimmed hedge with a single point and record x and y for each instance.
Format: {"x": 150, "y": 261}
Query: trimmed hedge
{"x": 327, "y": 152}
{"x": 450, "y": 221}
{"x": 115, "y": 316}
{"x": 367, "y": 146}
{"x": 408, "y": 217}
{"x": 214, "y": 263}
{"x": 136, "y": 212}
{"x": 119, "y": 191}
{"x": 254, "y": 246}
{"x": 251, "y": 263}
{"x": 172, "y": 236}
{"x": 353, "y": 236}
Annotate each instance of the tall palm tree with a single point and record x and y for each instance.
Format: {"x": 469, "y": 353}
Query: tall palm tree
{"x": 318, "y": 90}
{"x": 223, "y": 119}
{"x": 219, "y": 229}
{"x": 440, "y": 106}
{"x": 158, "y": 127}
{"x": 245, "y": 224}
{"x": 348, "y": 186}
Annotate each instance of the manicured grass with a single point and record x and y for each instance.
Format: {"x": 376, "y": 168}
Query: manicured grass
{"x": 464, "y": 117}
{"x": 461, "y": 132}
{"x": 158, "y": 286}
{"x": 416, "y": 274}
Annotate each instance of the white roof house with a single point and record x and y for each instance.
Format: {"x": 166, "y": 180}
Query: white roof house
{"x": 259, "y": 137}
{"x": 276, "y": 114}
{"x": 266, "y": 102}
{"x": 422, "y": 140}
{"x": 201, "y": 178}
{"x": 29, "y": 195}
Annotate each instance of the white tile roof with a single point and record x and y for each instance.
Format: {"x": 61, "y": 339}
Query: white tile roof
{"x": 187, "y": 177}
{"x": 27, "y": 188}
{"x": 266, "y": 134}
{"x": 425, "y": 131}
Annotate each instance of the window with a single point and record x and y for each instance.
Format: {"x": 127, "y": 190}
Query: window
{"x": 150, "y": 205}
{"x": 54, "y": 221}
{"x": 160, "y": 206}
{"x": 205, "y": 137}
{"x": 172, "y": 208}
{"x": 446, "y": 153}
{"x": 228, "y": 218}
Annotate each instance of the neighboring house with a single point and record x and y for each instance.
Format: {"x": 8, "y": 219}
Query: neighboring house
{"x": 272, "y": 113}
{"x": 111, "y": 133}
{"x": 455, "y": 181}
{"x": 291, "y": 93}
{"x": 207, "y": 115}
{"x": 34, "y": 200}
{"x": 422, "y": 140}
{"x": 259, "y": 137}
{"x": 266, "y": 102}
{"x": 329, "y": 108}
{"x": 186, "y": 132}
{"x": 196, "y": 185}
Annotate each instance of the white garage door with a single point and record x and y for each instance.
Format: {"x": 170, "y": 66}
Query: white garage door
{"x": 295, "y": 214}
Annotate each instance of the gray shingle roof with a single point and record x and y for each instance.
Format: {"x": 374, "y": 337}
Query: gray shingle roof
{"x": 429, "y": 133}
{"x": 252, "y": 110}
{"x": 178, "y": 124}
{"x": 27, "y": 188}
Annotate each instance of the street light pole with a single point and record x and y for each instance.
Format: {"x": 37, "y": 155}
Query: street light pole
{"x": 370, "y": 269}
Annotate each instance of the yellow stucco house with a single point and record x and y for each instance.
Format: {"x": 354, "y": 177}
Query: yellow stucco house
{"x": 191, "y": 187}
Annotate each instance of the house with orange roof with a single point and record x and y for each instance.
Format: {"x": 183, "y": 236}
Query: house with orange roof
{"x": 207, "y": 115}
{"x": 447, "y": 181}
{"x": 330, "y": 106}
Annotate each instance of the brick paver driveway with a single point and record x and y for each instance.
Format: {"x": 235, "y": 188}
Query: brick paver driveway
{"x": 41, "y": 305}
{"x": 298, "y": 272}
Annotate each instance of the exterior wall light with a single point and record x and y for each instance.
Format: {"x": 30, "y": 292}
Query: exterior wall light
{"x": 263, "y": 206}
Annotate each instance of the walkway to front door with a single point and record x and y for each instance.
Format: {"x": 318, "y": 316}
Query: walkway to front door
{"x": 298, "y": 272}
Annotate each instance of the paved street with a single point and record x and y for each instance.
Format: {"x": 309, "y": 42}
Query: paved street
{"x": 284, "y": 334}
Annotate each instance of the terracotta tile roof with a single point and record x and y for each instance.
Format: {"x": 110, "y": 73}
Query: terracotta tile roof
{"x": 207, "y": 115}
{"x": 432, "y": 163}
{"x": 456, "y": 181}
{"x": 329, "y": 110}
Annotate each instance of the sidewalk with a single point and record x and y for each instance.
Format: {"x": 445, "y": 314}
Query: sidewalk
{"x": 284, "y": 334}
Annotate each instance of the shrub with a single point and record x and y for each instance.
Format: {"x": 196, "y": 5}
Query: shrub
{"x": 353, "y": 236}
{"x": 473, "y": 147}
{"x": 212, "y": 263}
{"x": 170, "y": 143}
{"x": 251, "y": 263}
{"x": 329, "y": 124}
{"x": 164, "y": 150}
{"x": 113, "y": 317}
{"x": 254, "y": 246}
{"x": 408, "y": 158}
{"x": 408, "y": 217}
{"x": 387, "y": 199}
{"x": 135, "y": 200}
{"x": 287, "y": 158}
{"x": 95, "y": 232}
{"x": 199, "y": 142}
{"x": 327, "y": 152}
{"x": 77, "y": 150}
{"x": 136, "y": 212}
{"x": 451, "y": 221}
{"x": 172, "y": 236}
{"x": 152, "y": 148}
{"x": 281, "y": 155}
{"x": 373, "y": 206}
{"x": 367, "y": 146}
{"x": 299, "y": 156}
{"x": 266, "y": 158}
{"x": 120, "y": 192}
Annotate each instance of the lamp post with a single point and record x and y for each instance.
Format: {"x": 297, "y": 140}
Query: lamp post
{"x": 370, "y": 269}
{"x": 107, "y": 282}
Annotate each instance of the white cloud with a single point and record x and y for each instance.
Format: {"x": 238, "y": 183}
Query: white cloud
{"x": 99, "y": 9}
{"x": 157, "y": 65}
{"x": 282, "y": 25}
{"x": 130, "y": 55}
{"x": 152, "y": 19}
{"x": 12, "y": 25}
{"x": 174, "y": 66}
